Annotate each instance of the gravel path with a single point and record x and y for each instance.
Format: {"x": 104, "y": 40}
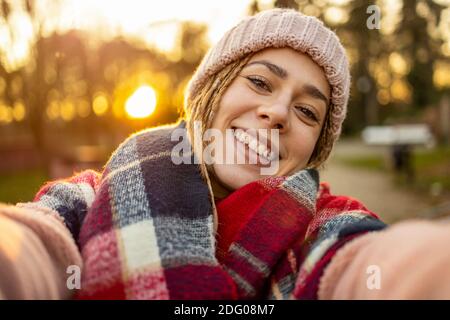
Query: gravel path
{"x": 373, "y": 188}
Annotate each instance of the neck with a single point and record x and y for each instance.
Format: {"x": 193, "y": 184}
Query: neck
{"x": 220, "y": 191}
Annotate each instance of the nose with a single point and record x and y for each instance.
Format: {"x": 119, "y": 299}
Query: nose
{"x": 275, "y": 116}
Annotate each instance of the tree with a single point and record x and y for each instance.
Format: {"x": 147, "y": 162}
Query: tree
{"x": 365, "y": 44}
{"x": 286, "y": 4}
{"x": 420, "y": 47}
{"x": 32, "y": 75}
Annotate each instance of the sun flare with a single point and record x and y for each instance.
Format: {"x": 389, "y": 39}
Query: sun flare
{"x": 142, "y": 103}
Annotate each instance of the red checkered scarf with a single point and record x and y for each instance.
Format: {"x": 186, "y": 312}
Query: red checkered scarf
{"x": 276, "y": 245}
{"x": 145, "y": 230}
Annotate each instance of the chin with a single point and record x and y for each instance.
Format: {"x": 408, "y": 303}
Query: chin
{"x": 234, "y": 178}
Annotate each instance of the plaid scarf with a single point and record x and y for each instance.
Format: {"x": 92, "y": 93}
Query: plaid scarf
{"x": 144, "y": 227}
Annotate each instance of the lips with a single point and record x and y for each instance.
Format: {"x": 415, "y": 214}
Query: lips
{"x": 263, "y": 146}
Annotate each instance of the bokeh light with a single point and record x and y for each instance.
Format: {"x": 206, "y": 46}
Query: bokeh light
{"x": 142, "y": 103}
{"x": 100, "y": 104}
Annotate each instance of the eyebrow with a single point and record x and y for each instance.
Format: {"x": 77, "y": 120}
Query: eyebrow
{"x": 277, "y": 70}
{"x": 315, "y": 93}
{"x": 309, "y": 89}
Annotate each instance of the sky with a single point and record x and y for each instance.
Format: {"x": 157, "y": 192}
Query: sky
{"x": 154, "y": 23}
{"x": 146, "y": 19}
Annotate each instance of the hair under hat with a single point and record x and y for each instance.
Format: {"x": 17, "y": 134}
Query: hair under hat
{"x": 279, "y": 28}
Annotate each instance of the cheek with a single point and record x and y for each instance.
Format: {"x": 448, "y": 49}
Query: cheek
{"x": 235, "y": 101}
{"x": 303, "y": 142}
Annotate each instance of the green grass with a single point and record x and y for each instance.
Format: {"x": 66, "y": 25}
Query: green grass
{"x": 21, "y": 186}
{"x": 366, "y": 162}
{"x": 427, "y": 158}
{"x": 433, "y": 168}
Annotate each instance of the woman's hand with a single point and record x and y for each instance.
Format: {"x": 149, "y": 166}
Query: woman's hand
{"x": 35, "y": 250}
{"x": 408, "y": 260}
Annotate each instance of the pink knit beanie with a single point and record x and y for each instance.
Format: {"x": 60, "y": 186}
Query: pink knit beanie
{"x": 285, "y": 28}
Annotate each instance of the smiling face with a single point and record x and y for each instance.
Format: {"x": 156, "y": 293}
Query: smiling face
{"x": 277, "y": 89}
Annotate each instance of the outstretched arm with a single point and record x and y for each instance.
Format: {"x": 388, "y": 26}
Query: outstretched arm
{"x": 409, "y": 260}
{"x": 71, "y": 198}
{"x": 35, "y": 251}
{"x": 38, "y": 238}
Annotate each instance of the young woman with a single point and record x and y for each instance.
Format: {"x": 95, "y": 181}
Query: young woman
{"x": 159, "y": 224}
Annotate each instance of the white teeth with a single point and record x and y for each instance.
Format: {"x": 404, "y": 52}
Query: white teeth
{"x": 253, "y": 144}
{"x": 262, "y": 150}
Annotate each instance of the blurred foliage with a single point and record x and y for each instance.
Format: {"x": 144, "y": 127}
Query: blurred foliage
{"x": 70, "y": 90}
{"x": 73, "y": 91}
{"x": 399, "y": 70}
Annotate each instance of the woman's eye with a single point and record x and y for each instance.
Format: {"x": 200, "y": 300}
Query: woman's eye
{"x": 260, "y": 83}
{"x": 308, "y": 113}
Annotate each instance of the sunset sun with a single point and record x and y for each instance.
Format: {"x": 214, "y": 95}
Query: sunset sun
{"x": 141, "y": 103}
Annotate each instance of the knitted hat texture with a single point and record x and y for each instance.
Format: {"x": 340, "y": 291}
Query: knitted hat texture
{"x": 279, "y": 28}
